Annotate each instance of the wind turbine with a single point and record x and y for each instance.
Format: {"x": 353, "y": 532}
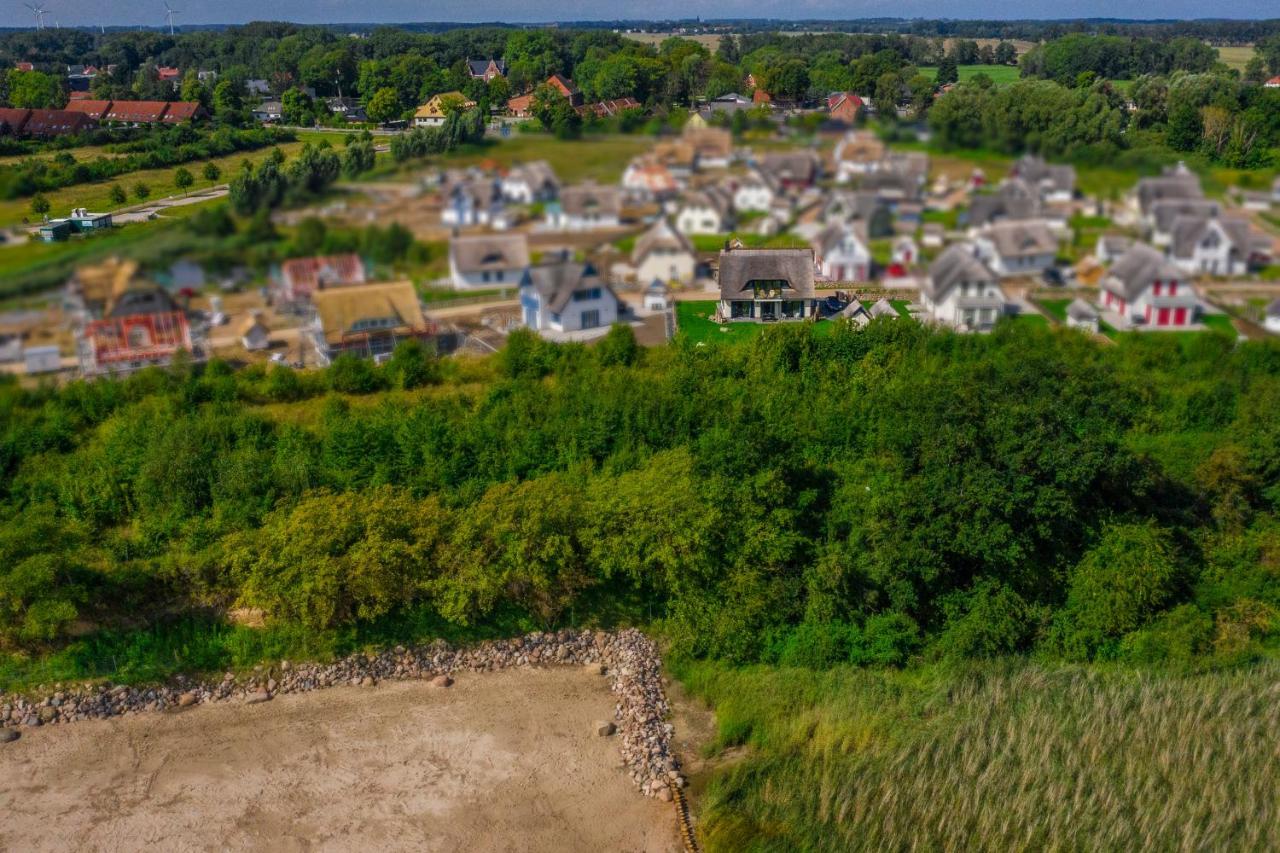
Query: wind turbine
{"x": 169, "y": 12}
{"x": 39, "y": 11}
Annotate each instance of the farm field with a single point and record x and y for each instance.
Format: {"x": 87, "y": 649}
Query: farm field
{"x": 1236, "y": 56}
{"x": 97, "y": 196}
{"x": 997, "y": 756}
{"x": 999, "y": 74}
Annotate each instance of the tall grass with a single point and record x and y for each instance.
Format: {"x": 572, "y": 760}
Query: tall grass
{"x": 999, "y": 757}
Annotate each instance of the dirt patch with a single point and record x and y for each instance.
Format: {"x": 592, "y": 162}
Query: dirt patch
{"x": 500, "y": 761}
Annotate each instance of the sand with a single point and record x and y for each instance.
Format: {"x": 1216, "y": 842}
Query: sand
{"x": 500, "y": 761}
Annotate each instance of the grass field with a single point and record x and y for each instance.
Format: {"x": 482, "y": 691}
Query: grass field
{"x": 97, "y": 196}
{"x": 1236, "y": 56}
{"x": 999, "y": 74}
{"x": 600, "y": 158}
{"x": 693, "y": 321}
{"x": 1005, "y": 755}
{"x": 1057, "y": 308}
{"x": 715, "y": 242}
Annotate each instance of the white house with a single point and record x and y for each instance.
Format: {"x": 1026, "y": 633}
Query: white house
{"x": 766, "y": 284}
{"x": 657, "y": 296}
{"x": 1055, "y": 183}
{"x": 1082, "y": 315}
{"x": 474, "y": 202}
{"x": 708, "y": 211}
{"x": 1211, "y": 245}
{"x": 841, "y": 254}
{"x": 586, "y": 207}
{"x": 1272, "y": 321}
{"x": 1144, "y": 289}
{"x": 1163, "y": 215}
{"x": 1019, "y": 247}
{"x": 42, "y": 359}
{"x": 566, "y": 296}
{"x": 531, "y": 183}
{"x": 1177, "y": 184}
{"x": 645, "y": 178}
{"x": 663, "y": 254}
{"x": 905, "y": 251}
{"x": 961, "y": 291}
{"x": 755, "y": 193}
{"x": 488, "y": 261}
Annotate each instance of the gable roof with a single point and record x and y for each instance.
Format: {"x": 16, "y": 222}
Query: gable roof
{"x": 1167, "y": 211}
{"x": 740, "y": 267}
{"x": 339, "y": 310}
{"x": 1022, "y": 238}
{"x": 1137, "y": 269}
{"x": 1009, "y": 202}
{"x": 556, "y": 282}
{"x": 712, "y": 197}
{"x": 833, "y": 235}
{"x": 95, "y": 109}
{"x": 660, "y": 236}
{"x": 1175, "y": 185}
{"x": 1081, "y": 310}
{"x": 490, "y": 252}
{"x": 14, "y": 119}
{"x": 883, "y": 308}
{"x": 57, "y": 123}
{"x": 480, "y": 67}
{"x": 1188, "y": 231}
{"x": 565, "y": 86}
{"x": 180, "y": 111}
{"x": 1053, "y": 176}
{"x": 137, "y": 112}
{"x": 860, "y": 146}
{"x": 538, "y": 174}
{"x": 958, "y": 263}
{"x": 435, "y": 108}
{"x": 712, "y": 142}
{"x": 577, "y": 200}
{"x": 791, "y": 165}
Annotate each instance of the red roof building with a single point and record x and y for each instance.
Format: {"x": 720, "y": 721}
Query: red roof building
{"x": 1273, "y": 83}
{"x": 47, "y": 123}
{"x": 24, "y": 66}
{"x": 301, "y": 277}
{"x": 760, "y": 96}
{"x": 566, "y": 87}
{"x": 96, "y": 110}
{"x": 605, "y": 109}
{"x": 844, "y": 107}
{"x": 180, "y": 111}
{"x": 137, "y": 112}
{"x": 12, "y": 121}
{"x": 165, "y": 72}
{"x": 521, "y": 106}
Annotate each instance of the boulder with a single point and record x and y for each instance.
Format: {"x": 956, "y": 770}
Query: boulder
{"x": 186, "y": 700}
{"x": 8, "y": 735}
{"x": 441, "y": 681}
{"x": 257, "y": 698}
{"x": 604, "y": 728}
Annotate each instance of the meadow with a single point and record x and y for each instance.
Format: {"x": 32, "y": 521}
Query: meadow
{"x": 999, "y": 74}
{"x": 97, "y": 196}
{"x": 598, "y": 158}
{"x": 1005, "y": 755}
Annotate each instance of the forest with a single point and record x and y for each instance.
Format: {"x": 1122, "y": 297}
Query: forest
{"x": 874, "y": 496}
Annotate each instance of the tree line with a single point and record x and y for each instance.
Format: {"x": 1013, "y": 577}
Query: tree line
{"x": 871, "y": 495}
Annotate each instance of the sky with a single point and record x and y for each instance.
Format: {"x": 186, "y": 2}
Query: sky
{"x": 152, "y": 12}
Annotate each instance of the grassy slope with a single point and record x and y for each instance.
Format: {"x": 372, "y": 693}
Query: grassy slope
{"x": 999, "y": 756}
{"x": 1235, "y": 57}
{"x": 97, "y": 196}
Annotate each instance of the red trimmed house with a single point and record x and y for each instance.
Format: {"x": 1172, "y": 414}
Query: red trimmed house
{"x": 49, "y": 123}
{"x": 137, "y": 112}
{"x": 1147, "y": 290}
{"x": 13, "y": 121}
{"x": 182, "y": 111}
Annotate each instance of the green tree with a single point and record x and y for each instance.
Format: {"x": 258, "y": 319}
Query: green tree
{"x": 183, "y": 179}
{"x": 117, "y": 195}
{"x": 40, "y": 205}
{"x": 34, "y": 90}
{"x": 384, "y": 105}
{"x": 211, "y": 172}
{"x": 947, "y": 72}
{"x": 141, "y": 191}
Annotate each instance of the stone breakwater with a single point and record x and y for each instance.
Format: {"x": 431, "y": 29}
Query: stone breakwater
{"x": 627, "y": 658}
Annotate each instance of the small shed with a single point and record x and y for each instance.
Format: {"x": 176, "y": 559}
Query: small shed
{"x": 657, "y": 296}
{"x": 254, "y": 334}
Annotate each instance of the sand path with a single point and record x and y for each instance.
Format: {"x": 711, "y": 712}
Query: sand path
{"x": 504, "y": 761}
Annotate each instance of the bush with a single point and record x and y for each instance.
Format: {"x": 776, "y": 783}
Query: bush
{"x": 618, "y": 347}
{"x": 990, "y": 620}
{"x": 887, "y": 640}
{"x": 817, "y": 646}
{"x": 350, "y": 374}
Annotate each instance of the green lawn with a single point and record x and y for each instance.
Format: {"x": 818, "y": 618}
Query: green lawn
{"x": 715, "y": 242}
{"x": 1032, "y": 319}
{"x": 1236, "y": 56}
{"x": 902, "y": 307}
{"x": 600, "y": 158}
{"x": 97, "y": 196}
{"x": 1057, "y": 308}
{"x": 693, "y": 320}
{"x": 999, "y": 74}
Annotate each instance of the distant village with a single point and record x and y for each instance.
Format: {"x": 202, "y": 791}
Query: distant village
{"x": 840, "y": 228}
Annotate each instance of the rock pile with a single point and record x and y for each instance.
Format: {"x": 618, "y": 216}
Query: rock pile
{"x": 627, "y": 658}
